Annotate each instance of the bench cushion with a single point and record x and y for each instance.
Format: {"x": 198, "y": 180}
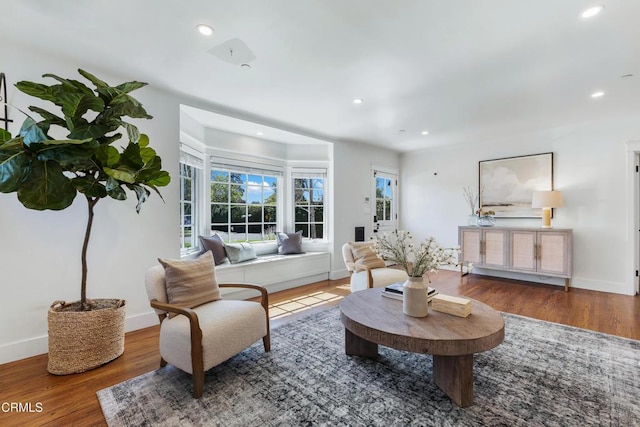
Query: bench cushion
{"x": 240, "y": 252}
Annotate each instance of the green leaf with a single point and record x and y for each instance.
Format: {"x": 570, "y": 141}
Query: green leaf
{"x": 31, "y": 133}
{"x": 68, "y": 153}
{"x": 89, "y": 186}
{"x": 12, "y": 145}
{"x": 143, "y": 141}
{"x": 125, "y": 105}
{"x": 77, "y": 104}
{"x": 91, "y": 131}
{"x": 107, "y": 155}
{"x": 132, "y": 132}
{"x": 141, "y": 193}
{"x": 38, "y": 90}
{"x": 147, "y": 154}
{"x": 130, "y": 86}
{"x": 70, "y": 85}
{"x": 49, "y": 119}
{"x": 110, "y": 139}
{"x": 93, "y": 79}
{"x": 13, "y": 167}
{"x": 162, "y": 179}
{"x": 121, "y": 174}
{"x": 4, "y": 135}
{"x": 115, "y": 190}
{"x": 131, "y": 157}
{"x": 46, "y": 187}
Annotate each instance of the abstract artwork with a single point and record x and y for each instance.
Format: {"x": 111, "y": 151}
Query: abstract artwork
{"x": 506, "y": 185}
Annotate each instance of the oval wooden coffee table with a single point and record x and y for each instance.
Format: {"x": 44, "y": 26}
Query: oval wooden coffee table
{"x": 371, "y": 319}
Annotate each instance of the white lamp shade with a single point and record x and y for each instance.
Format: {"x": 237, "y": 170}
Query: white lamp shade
{"x": 546, "y": 199}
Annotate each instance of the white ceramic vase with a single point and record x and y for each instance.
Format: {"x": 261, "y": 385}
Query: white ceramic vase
{"x": 414, "y": 297}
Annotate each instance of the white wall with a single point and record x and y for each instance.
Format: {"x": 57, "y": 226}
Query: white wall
{"x": 590, "y": 162}
{"x": 353, "y": 182}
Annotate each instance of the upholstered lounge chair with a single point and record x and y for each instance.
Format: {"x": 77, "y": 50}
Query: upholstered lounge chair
{"x": 197, "y": 339}
{"x": 364, "y": 274}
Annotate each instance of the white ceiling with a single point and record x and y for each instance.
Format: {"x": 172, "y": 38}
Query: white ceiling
{"x": 465, "y": 70}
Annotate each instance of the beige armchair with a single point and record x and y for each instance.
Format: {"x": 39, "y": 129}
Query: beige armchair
{"x": 366, "y": 274}
{"x": 199, "y": 338}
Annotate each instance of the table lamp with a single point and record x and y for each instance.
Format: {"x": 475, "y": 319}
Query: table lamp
{"x": 546, "y": 200}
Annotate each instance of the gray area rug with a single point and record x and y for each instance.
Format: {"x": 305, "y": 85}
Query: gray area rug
{"x": 544, "y": 374}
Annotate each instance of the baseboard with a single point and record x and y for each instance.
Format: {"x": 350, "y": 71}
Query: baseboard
{"x": 23, "y": 349}
{"x": 141, "y": 321}
{"x": 40, "y": 345}
{"x": 338, "y": 274}
{"x": 575, "y": 282}
{"x": 601, "y": 286}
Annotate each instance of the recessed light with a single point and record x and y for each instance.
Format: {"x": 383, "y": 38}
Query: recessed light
{"x": 592, "y": 11}
{"x": 204, "y": 29}
{"x": 597, "y": 94}
{"x": 425, "y": 132}
{"x": 259, "y": 133}
{"x": 358, "y": 101}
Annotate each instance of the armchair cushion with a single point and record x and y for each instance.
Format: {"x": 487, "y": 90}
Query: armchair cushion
{"x": 228, "y": 327}
{"x": 191, "y": 283}
{"x": 364, "y": 254}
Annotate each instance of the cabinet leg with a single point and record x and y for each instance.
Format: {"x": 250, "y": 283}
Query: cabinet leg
{"x": 566, "y": 285}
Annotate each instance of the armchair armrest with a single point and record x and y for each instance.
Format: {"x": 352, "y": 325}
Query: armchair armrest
{"x": 263, "y": 291}
{"x": 197, "y": 361}
{"x": 172, "y": 308}
{"x": 351, "y": 266}
{"x": 360, "y": 267}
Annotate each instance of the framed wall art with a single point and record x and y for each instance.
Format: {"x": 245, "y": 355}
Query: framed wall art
{"x": 506, "y": 185}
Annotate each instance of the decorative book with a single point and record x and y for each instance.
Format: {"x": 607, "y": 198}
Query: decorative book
{"x": 394, "y": 291}
{"x": 451, "y": 305}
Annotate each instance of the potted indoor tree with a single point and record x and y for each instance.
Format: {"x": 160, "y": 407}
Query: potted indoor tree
{"x": 48, "y": 173}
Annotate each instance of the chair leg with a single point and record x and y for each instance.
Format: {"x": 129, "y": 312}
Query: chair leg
{"x": 266, "y": 340}
{"x": 198, "y": 383}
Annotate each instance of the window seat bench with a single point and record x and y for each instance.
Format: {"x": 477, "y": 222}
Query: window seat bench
{"x": 275, "y": 272}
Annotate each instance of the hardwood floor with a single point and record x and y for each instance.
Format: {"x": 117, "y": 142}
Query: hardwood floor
{"x": 71, "y": 399}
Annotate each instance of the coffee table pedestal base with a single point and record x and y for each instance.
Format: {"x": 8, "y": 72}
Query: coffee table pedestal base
{"x": 454, "y": 376}
{"x": 356, "y": 346}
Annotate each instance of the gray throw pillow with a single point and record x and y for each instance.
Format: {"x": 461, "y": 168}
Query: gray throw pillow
{"x": 215, "y": 244}
{"x": 240, "y": 252}
{"x": 290, "y": 243}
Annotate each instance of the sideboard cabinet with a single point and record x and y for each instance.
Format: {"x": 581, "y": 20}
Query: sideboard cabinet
{"x": 542, "y": 251}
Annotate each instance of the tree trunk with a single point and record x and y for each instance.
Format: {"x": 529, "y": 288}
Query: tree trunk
{"x": 91, "y": 202}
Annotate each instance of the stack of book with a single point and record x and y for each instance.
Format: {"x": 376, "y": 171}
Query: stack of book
{"x": 395, "y": 291}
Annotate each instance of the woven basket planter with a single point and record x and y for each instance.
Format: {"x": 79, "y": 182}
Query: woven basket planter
{"x": 84, "y": 340}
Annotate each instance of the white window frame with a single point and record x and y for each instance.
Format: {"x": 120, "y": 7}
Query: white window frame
{"x": 190, "y": 159}
{"x": 250, "y": 168}
{"x": 309, "y": 173}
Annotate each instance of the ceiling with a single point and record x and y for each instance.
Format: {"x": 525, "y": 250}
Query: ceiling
{"x": 465, "y": 70}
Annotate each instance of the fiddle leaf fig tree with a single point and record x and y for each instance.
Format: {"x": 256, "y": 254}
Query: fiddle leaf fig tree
{"x": 48, "y": 173}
